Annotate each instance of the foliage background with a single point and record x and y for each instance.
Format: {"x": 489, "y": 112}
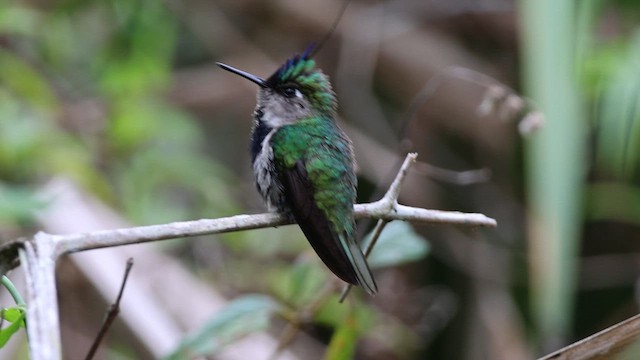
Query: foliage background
{"x": 123, "y": 97}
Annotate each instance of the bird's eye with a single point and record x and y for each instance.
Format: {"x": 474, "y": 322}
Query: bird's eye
{"x": 291, "y": 92}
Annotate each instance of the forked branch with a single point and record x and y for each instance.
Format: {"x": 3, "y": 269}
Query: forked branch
{"x": 39, "y": 254}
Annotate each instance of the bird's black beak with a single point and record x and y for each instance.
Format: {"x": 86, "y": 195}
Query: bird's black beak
{"x": 258, "y": 80}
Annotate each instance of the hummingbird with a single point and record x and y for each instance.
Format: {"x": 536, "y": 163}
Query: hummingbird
{"x": 304, "y": 165}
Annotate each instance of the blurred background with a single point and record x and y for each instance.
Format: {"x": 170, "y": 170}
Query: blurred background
{"x": 113, "y": 113}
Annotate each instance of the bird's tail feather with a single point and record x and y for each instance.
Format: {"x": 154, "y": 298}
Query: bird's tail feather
{"x": 360, "y": 266}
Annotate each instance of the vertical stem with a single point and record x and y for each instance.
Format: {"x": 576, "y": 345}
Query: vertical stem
{"x": 43, "y": 326}
{"x": 555, "y": 163}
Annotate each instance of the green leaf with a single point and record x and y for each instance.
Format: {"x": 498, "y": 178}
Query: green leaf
{"x": 332, "y": 313}
{"x": 24, "y": 81}
{"x": 239, "y": 318}
{"x": 398, "y": 244}
{"x": 16, "y": 317}
{"x": 14, "y": 314}
{"x": 618, "y": 116}
{"x": 140, "y": 56}
{"x": 18, "y": 20}
{"x": 306, "y": 280}
{"x": 344, "y": 340}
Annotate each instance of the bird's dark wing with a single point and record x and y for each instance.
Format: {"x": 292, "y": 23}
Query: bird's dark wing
{"x": 339, "y": 252}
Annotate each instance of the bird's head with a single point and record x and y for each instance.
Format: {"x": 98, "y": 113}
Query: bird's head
{"x": 296, "y": 90}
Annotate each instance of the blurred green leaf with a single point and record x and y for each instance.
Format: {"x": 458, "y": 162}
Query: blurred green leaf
{"x": 555, "y": 162}
{"x": 618, "y": 116}
{"x": 25, "y": 82}
{"x": 140, "y": 56}
{"x": 343, "y": 342}
{"x": 300, "y": 283}
{"x": 307, "y": 278}
{"x": 22, "y": 134}
{"x": 18, "y": 20}
{"x": 16, "y": 318}
{"x": 135, "y": 122}
{"x": 161, "y": 171}
{"x": 31, "y": 146}
{"x": 158, "y": 185}
{"x": 141, "y": 122}
{"x": 398, "y": 244}
{"x": 333, "y": 311}
{"x": 241, "y": 317}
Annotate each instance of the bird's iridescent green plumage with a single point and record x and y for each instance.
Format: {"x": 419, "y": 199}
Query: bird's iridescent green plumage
{"x": 326, "y": 153}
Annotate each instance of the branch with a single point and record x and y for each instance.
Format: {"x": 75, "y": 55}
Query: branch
{"x": 39, "y": 262}
{"x": 386, "y": 208}
{"x": 39, "y": 255}
{"x": 609, "y": 343}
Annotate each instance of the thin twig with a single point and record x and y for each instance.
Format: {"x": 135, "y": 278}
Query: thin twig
{"x": 112, "y": 313}
{"x": 391, "y": 197}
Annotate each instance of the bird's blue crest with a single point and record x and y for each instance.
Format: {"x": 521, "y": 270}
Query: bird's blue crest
{"x": 300, "y": 71}
{"x": 294, "y": 66}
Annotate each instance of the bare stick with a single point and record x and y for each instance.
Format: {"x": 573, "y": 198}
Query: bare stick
{"x": 603, "y": 345}
{"x": 112, "y": 313}
{"x": 386, "y": 208}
